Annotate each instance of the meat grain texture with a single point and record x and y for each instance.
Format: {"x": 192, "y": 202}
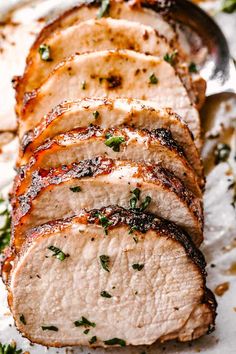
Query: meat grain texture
{"x": 107, "y": 211}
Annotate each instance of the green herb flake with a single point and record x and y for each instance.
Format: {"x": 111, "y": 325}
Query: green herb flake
{"x": 229, "y": 6}
{"x": 138, "y": 267}
{"x": 170, "y": 58}
{"x": 50, "y": 328}
{"x": 153, "y": 79}
{"x": 5, "y": 229}
{"x": 132, "y": 229}
{"x": 59, "y": 254}
{"x": 222, "y": 153}
{"x": 83, "y": 85}
{"x": 22, "y": 319}
{"x": 105, "y": 294}
{"x": 86, "y": 331}
{"x": 96, "y": 114}
{"x": 104, "y": 222}
{"x": 135, "y": 197}
{"x": 114, "y": 142}
{"x": 75, "y": 189}
{"x": 192, "y": 68}
{"x": 105, "y": 261}
{"x": 145, "y": 203}
{"x": 9, "y": 349}
{"x": 84, "y": 322}
{"x": 104, "y": 8}
{"x": 45, "y": 52}
{"x": 115, "y": 341}
{"x": 93, "y": 340}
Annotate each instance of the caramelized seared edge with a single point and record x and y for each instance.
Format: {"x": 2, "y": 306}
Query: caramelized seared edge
{"x": 35, "y": 137}
{"x": 117, "y": 216}
{"x": 70, "y": 17}
{"x": 42, "y": 179}
{"x": 145, "y": 138}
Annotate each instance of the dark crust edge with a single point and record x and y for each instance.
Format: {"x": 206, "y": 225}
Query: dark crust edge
{"x": 41, "y": 179}
{"x": 30, "y": 136}
{"x": 160, "y": 136}
{"x": 143, "y": 223}
{"x": 58, "y": 23}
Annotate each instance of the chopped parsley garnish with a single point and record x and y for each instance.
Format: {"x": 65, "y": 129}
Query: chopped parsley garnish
{"x": 135, "y": 198}
{"x": 222, "y": 153}
{"x": 59, "y": 254}
{"x": 136, "y": 195}
{"x": 75, "y": 189}
{"x": 44, "y": 52}
{"x": 9, "y": 349}
{"x": 229, "y": 6}
{"x": 93, "y": 340}
{"x": 22, "y": 319}
{"x": 105, "y": 261}
{"x": 104, "y": 222}
{"x": 192, "y": 68}
{"x": 84, "y": 322}
{"x": 153, "y": 79}
{"x": 115, "y": 341}
{"x": 170, "y": 58}
{"x": 96, "y": 114}
{"x": 83, "y": 85}
{"x": 50, "y": 328}
{"x": 86, "y": 331}
{"x": 105, "y": 294}
{"x": 104, "y": 8}
{"x": 132, "y": 229}
{"x": 137, "y": 266}
{"x": 114, "y": 142}
{"x": 145, "y": 203}
{"x": 5, "y": 229}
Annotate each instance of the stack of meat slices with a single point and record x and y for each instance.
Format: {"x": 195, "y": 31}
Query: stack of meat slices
{"x": 107, "y": 204}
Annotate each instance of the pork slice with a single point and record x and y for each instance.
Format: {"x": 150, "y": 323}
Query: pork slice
{"x": 141, "y": 281}
{"x": 111, "y": 113}
{"x": 62, "y": 192}
{"x": 94, "y": 35}
{"x": 156, "y": 146}
{"x": 111, "y": 74}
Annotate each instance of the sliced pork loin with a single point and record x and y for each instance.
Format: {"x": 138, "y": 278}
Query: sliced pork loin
{"x": 111, "y": 74}
{"x": 156, "y": 146}
{"x": 133, "y": 280}
{"x": 108, "y": 114}
{"x": 132, "y": 11}
{"x": 94, "y": 35}
{"x": 64, "y": 191}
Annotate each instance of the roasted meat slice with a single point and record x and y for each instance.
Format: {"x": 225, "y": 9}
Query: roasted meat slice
{"x": 156, "y": 146}
{"x": 110, "y": 277}
{"x": 132, "y": 11}
{"x": 111, "y": 74}
{"x": 94, "y": 35}
{"x": 109, "y": 114}
{"x": 64, "y": 191}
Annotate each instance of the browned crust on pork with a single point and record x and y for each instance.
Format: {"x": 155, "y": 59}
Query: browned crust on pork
{"x": 142, "y": 222}
{"x": 42, "y": 180}
{"x": 196, "y": 92}
{"x": 29, "y": 141}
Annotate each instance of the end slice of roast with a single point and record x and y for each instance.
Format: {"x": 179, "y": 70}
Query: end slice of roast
{"x": 64, "y": 191}
{"x": 110, "y": 114}
{"x": 111, "y": 74}
{"x": 94, "y": 35}
{"x": 141, "y": 281}
{"x": 156, "y": 147}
